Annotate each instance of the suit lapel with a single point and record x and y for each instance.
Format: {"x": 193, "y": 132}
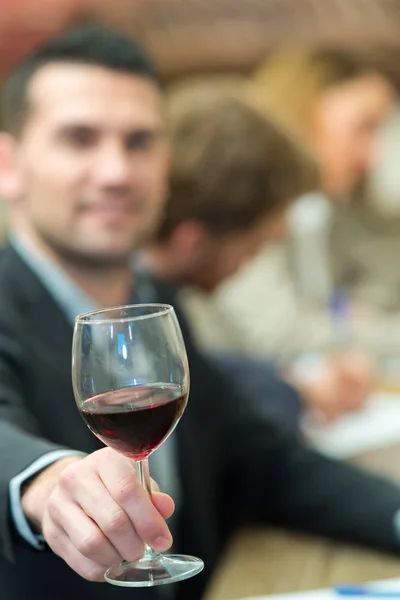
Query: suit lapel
{"x": 43, "y": 318}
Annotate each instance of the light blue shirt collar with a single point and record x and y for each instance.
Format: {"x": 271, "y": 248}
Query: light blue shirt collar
{"x": 69, "y": 296}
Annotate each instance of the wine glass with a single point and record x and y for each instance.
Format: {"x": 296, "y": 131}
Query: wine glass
{"x": 131, "y": 383}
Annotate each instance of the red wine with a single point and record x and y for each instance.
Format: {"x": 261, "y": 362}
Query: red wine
{"x": 135, "y": 420}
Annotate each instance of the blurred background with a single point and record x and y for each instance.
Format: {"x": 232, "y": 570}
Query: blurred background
{"x": 328, "y": 71}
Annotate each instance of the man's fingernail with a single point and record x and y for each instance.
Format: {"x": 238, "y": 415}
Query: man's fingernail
{"x": 162, "y": 544}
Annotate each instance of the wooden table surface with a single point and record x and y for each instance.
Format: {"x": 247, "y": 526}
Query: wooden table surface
{"x": 261, "y": 562}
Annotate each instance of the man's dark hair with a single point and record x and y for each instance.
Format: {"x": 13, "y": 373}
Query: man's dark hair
{"x": 90, "y": 45}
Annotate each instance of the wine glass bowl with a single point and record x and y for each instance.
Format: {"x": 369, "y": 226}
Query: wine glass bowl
{"x": 135, "y": 420}
{"x": 131, "y": 383}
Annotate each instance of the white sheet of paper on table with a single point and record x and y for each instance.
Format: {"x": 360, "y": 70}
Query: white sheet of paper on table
{"x": 312, "y": 595}
{"x": 377, "y": 425}
{"x": 329, "y": 594}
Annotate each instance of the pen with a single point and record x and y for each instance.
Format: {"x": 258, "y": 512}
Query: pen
{"x": 360, "y": 590}
{"x": 340, "y": 315}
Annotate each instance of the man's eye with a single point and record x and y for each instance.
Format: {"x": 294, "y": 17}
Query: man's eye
{"x": 141, "y": 140}
{"x": 80, "y": 138}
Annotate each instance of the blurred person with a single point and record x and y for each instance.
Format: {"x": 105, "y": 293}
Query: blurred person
{"x": 83, "y": 164}
{"x": 341, "y": 102}
{"x": 232, "y": 180}
{"x": 335, "y": 103}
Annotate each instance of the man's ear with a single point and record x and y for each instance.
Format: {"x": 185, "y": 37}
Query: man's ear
{"x": 190, "y": 238}
{"x": 10, "y": 182}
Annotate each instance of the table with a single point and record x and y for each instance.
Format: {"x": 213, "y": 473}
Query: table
{"x": 261, "y": 562}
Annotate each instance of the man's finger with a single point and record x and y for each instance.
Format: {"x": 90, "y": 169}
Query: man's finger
{"x": 83, "y": 532}
{"x": 97, "y": 501}
{"x": 129, "y": 494}
{"x": 61, "y": 545}
{"x": 164, "y": 504}
{"x": 154, "y": 486}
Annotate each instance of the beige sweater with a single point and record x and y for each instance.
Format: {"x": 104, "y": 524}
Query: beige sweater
{"x": 261, "y": 312}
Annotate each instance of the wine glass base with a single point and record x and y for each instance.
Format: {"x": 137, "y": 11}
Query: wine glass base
{"x": 167, "y": 568}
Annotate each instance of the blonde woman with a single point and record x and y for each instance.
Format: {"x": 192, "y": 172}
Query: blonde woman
{"x": 335, "y": 102}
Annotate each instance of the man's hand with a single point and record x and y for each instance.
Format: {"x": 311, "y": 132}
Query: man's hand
{"x": 93, "y": 512}
{"x": 341, "y": 384}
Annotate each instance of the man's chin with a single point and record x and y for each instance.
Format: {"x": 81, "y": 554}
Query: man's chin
{"x": 92, "y": 258}
{"x": 98, "y": 251}
{"x": 101, "y": 260}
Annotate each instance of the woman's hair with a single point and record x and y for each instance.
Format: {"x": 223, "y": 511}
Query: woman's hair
{"x": 230, "y": 165}
{"x": 288, "y": 83}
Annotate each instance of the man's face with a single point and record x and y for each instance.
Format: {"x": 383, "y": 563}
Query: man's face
{"x": 92, "y": 162}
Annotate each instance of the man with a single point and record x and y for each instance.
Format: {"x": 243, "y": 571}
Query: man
{"x": 84, "y": 164}
{"x": 231, "y": 179}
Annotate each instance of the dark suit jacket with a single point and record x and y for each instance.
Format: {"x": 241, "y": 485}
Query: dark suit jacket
{"x": 235, "y": 466}
{"x": 264, "y": 388}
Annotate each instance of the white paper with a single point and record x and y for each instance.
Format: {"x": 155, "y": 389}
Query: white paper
{"x": 377, "y": 425}
{"x": 312, "y": 595}
{"x": 329, "y": 594}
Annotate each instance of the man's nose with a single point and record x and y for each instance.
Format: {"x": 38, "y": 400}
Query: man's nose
{"x": 113, "y": 167}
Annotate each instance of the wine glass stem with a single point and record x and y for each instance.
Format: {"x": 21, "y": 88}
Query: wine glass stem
{"x": 144, "y": 478}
